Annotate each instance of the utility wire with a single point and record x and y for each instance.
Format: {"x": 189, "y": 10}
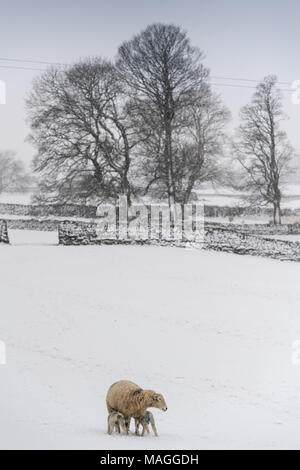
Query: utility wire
{"x": 214, "y": 77}
{"x": 244, "y": 80}
{"x": 247, "y": 86}
{"x": 32, "y": 61}
{"x": 21, "y": 68}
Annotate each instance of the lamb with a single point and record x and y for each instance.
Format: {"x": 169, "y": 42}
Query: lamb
{"x": 144, "y": 422}
{"x": 114, "y": 421}
{"x": 132, "y": 401}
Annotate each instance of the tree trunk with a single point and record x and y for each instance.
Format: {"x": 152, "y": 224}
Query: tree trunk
{"x": 279, "y": 212}
{"x": 276, "y": 213}
{"x": 128, "y": 195}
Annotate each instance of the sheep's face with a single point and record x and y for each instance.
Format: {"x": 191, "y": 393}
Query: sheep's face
{"x": 159, "y": 402}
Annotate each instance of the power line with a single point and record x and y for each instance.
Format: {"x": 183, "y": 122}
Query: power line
{"x": 65, "y": 65}
{"x": 21, "y": 68}
{"x": 247, "y": 86}
{"x": 244, "y": 80}
{"x": 214, "y": 77}
{"x": 32, "y": 61}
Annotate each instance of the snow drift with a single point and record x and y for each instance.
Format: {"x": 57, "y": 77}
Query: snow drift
{"x": 211, "y": 331}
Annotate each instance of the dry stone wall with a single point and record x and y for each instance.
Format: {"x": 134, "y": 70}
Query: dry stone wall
{"x": 216, "y": 238}
{"x": 3, "y": 232}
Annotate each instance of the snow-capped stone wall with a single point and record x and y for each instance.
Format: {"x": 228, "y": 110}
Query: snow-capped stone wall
{"x": 77, "y": 233}
{"x": 259, "y": 229}
{"x": 81, "y": 233}
{"x": 221, "y": 239}
{"x": 239, "y": 211}
{"x": 216, "y": 238}
{"x": 89, "y": 211}
{"x": 45, "y": 210}
{"x": 38, "y": 224}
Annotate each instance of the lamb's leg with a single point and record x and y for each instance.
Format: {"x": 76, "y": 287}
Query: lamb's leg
{"x": 127, "y": 424}
{"x": 153, "y": 426}
{"x": 109, "y": 427}
{"x": 144, "y": 428}
{"x": 117, "y": 426}
{"x": 137, "y": 425}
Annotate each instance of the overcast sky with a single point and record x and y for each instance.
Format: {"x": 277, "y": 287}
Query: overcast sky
{"x": 240, "y": 39}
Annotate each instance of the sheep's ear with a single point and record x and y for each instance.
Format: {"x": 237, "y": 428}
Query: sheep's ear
{"x": 155, "y": 396}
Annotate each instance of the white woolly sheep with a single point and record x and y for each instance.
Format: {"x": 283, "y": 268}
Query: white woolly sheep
{"x": 132, "y": 401}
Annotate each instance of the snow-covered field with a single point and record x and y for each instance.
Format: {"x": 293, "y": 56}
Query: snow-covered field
{"x": 15, "y": 198}
{"x": 32, "y": 237}
{"x": 230, "y": 198}
{"x": 211, "y": 331}
{"x": 209, "y": 195}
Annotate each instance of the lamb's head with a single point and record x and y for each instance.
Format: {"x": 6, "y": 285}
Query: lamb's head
{"x": 159, "y": 402}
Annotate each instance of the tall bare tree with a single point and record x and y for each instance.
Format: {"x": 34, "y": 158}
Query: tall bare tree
{"x": 162, "y": 71}
{"x": 201, "y": 143}
{"x": 262, "y": 149}
{"x": 198, "y": 146}
{"x": 80, "y": 128}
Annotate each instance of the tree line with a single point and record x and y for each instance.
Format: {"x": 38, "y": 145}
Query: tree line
{"x": 14, "y": 176}
{"x": 149, "y": 124}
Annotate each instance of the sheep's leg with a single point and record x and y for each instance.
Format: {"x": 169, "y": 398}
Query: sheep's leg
{"x": 117, "y": 425}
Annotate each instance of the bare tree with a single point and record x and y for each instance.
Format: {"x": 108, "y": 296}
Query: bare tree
{"x": 81, "y": 131}
{"x": 263, "y": 150}
{"x": 13, "y": 174}
{"x": 162, "y": 71}
{"x": 198, "y": 144}
{"x": 201, "y": 143}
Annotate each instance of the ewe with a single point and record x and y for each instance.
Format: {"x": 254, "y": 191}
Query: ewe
{"x": 132, "y": 401}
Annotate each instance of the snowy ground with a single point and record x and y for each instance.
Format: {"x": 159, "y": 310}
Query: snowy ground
{"x": 208, "y": 194}
{"x": 33, "y": 237}
{"x": 211, "y": 331}
{"x": 16, "y": 198}
{"x": 228, "y": 197}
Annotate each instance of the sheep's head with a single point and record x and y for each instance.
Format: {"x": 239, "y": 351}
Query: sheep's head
{"x": 159, "y": 401}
